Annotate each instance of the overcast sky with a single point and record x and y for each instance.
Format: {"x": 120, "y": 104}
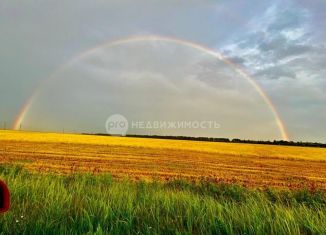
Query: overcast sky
{"x": 282, "y": 45}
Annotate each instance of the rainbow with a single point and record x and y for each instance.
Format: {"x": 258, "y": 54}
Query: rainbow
{"x": 25, "y": 109}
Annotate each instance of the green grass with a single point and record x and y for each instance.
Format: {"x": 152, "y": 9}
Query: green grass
{"x": 87, "y": 204}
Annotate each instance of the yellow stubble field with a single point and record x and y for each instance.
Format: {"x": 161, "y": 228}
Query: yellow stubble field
{"x": 140, "y": 158}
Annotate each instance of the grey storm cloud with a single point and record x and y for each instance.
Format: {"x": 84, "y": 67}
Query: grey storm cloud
{"x": 285, "y": 52}
{"x": 283, "y": 36}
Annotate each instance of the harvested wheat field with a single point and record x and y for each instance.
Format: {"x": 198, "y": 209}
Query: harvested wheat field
{"x": 139, "y": 158}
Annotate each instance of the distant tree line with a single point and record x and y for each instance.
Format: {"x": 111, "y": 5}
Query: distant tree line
{"x": 227, "y": 140}
{"x": 211, "y": 139}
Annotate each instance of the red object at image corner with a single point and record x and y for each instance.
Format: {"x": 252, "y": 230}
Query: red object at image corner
{"x": 4, "y": 197}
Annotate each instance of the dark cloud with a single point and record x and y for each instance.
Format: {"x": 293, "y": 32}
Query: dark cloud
{"x": 293, "y": 50}
{"x": 276, "y": 72}
{"x": 272, "y": 44}
{"x": 236, "y": 59}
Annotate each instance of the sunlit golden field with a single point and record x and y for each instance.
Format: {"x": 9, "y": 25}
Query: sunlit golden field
{"x": 138, "y": 158}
